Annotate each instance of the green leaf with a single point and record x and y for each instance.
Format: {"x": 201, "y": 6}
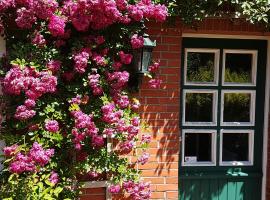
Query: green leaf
{"x": 57, "y": 191}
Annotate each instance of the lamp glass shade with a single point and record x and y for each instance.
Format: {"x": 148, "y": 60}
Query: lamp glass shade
{"x": 146, "y": 59}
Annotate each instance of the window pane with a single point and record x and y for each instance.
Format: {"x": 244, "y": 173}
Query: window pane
{"x": 238, "y": 68}
{"x": 200, "y": 67}
{"x": 237, "y": 107}
{"x": 198, "y": 147}
{"x": 199, "y": 107}
{"x": 235, "y": 147}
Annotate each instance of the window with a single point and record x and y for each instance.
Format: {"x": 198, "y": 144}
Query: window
{"x": 238, "y": 107}
{"x": 199, "y": 147}
{"x": 236, "y": 147}
{"x": 218, "y": 104}
{"x": 201, "y": 66}
{"x": 200, "y": 107}
{"x": 239, "y": 67}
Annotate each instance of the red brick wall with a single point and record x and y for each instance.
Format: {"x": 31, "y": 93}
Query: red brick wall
{"x": 160, "y": 108}
{"x": 93, "y": 194}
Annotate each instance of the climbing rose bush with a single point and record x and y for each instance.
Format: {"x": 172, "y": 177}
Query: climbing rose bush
{"x": 65, "y": 79}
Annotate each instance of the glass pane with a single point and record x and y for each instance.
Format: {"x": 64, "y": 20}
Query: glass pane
{"x": 238, "y": 68}
{"x": 198, "y": 147}
{"x": 199, "y": 107}
{"x": 237, "y": 107}
{"x": 235, "y": 147}
{"x": 200, "y": 67}
{"x": 146, "y": 59}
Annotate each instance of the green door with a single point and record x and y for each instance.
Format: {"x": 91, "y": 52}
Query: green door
{"x": 222, "y": 108}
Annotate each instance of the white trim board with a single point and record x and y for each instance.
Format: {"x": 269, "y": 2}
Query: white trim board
{"x": 267, "y": 92}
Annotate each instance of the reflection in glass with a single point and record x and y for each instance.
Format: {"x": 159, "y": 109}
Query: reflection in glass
{"x": 146, "y": 59}
{"x": 235, "y": 147}
{"x": 238, "y": 68}
{"x": 237, "y": 107}
{"x": 198, "y": 147}
{"x": 199, "y": 107}
{"x": 200, "y": 67}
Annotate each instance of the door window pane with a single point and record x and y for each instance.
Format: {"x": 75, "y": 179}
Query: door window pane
{"x": 200, "y": 107}
{"x": 201, "y": 66}
{"x": 240, "y": 67}
{"x": 199, "y": 147}
{"x": 238, "y": 107}
{"x": 236, "y": 147}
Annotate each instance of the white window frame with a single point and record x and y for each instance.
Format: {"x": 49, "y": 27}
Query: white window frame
{"x": 250, "y": 148}
{"x": 214, "y": 107}
{"x": 254, "y": 54}
{"x": 252, "y": 108}
{"x": 213, "y": 147}
{"x": 216, "y": 67}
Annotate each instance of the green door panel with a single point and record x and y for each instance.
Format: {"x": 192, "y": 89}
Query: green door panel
{"x": 220, "y": 188}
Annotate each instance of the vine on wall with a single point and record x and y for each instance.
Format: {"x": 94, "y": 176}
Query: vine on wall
{"x": 64, "y": 78}
{"x": 190, "y": 11}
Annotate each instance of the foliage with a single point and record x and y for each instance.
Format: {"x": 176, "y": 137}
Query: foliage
{"x": 255, "y": 11}
{"x": 64, "y": 80}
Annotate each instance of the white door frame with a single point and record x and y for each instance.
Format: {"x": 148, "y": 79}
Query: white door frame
{"x": 267, "y": 93}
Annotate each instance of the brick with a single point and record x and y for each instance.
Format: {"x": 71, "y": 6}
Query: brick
{"x": 152, "y": 93}
{"x": 161, "y": 48}
{"x": 152, "y": 101}
{"x": 170, "y": 55}
{"x": 91, "y": 197}
{"x": 171, "y": 86}
{"x": 174, "y": 144}
{"x": 155, "y": 180}
{"x": 173, "y": 78}
{"x": 167, "y": 187}
{"x": 170, "y": 40}
{"x": 170, "y": 180}
{"x": 150, "y": 166}
{"x": 170, "y": 101}
{"x": 175, "y": 62}
{"x": 168, "y": 158}
{"x": 174, "y": 47}
{"x": 157, "y": 195}
{"x": 168, "y": 136}
{"x": 154, "y": 108}
{"x": 172, "y": 195}
{"x": 159, "y": 172}
{"x": 93, "y": 190}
